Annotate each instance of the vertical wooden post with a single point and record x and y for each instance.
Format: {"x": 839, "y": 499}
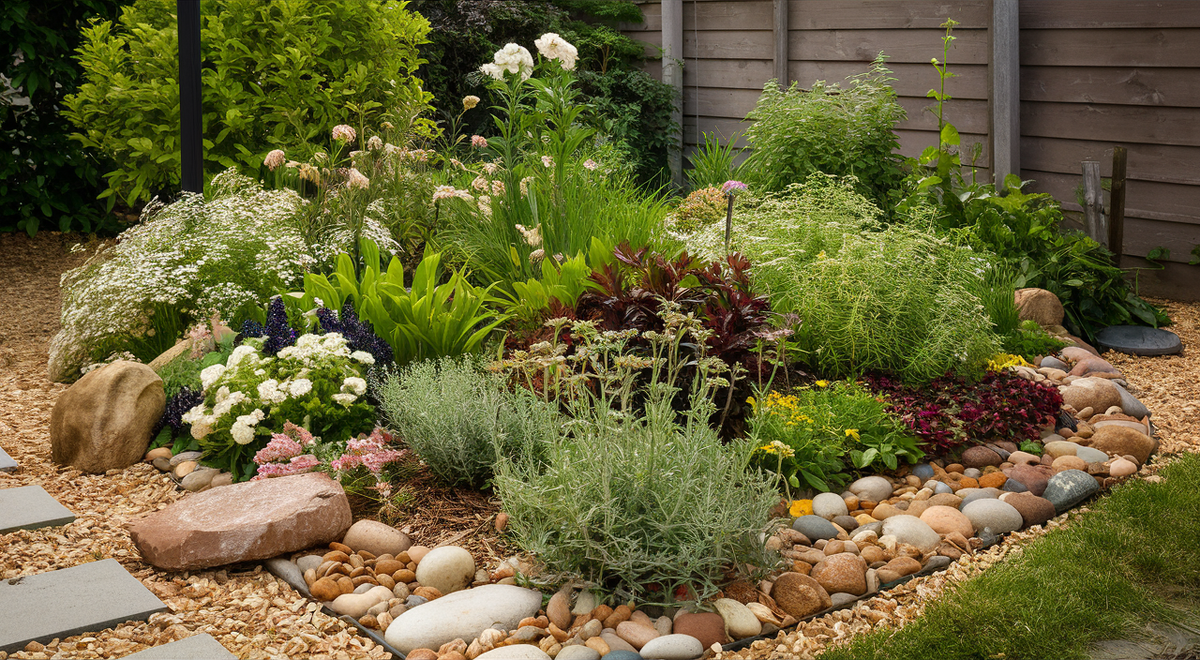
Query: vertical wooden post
{"x": 672, "y": 74}
{"x": 190, "y": 124}
{"x": 1006, "y": 89}
{"x": 1093, "y": 202}
{"x": 781, "y": 43}
{"x": 1116, "y": 222}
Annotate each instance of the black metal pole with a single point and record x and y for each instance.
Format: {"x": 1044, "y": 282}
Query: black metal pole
{"x": 190, "y": 127}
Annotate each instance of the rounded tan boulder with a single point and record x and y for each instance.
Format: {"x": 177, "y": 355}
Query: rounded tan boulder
{"x": 1039, "y": 305}
{"x": 103, "y": 421}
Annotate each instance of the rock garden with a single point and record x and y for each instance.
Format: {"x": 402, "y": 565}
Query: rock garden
{"x": 469, "y": 389}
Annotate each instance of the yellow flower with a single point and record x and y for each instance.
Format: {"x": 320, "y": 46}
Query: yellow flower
{"x": 822, "y": 383}
{"x": 852, "y": 433}
{"x": 800, "y": 508}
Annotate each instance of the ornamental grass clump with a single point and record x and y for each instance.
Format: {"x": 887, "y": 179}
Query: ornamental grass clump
{"x": 461, "y": 420}
{"x": 635, "y": 497}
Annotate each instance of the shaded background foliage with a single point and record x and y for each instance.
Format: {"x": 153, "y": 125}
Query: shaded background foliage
{"x": 47, "y": 180}
{"x": 629, "y": 106}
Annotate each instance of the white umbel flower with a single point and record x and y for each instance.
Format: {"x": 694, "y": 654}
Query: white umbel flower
{"x": 355, "y": 385}
{"x": 554, "y": 47}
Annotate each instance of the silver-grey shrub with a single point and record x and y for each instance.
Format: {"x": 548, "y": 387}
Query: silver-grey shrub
{"x": 635, "y": 497}
{"x": 460, "y": 420}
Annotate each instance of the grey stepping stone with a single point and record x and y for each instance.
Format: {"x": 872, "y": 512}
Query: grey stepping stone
{"x": 30, "y": 507}
{"x": 85, "y": 598}
{"x": 7, "y": 464}
{"x": 196, "y": 647}
{"x": 1139, "y": 340}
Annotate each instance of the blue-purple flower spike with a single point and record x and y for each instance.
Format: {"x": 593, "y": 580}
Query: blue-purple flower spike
{"x": 280, "y": 335}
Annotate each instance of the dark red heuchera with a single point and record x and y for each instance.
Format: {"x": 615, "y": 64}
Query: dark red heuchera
{"x": 949, "y": 412}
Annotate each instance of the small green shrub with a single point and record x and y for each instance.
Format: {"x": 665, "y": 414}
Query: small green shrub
{"x": 461, "y": 421}
{"x": 633, "y": 496}
{"x": 702, "y": 207}
{"x": 275, "y": 74}
{"x": 1029, "y": 340}
{"x": 828, "y": 128}
{"x": 712, "y": 163}
{"x": 812, "y": 436}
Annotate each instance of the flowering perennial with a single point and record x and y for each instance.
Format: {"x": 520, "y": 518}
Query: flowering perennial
{"x": 553, "y": 47}
{"x": 512, "y": 59}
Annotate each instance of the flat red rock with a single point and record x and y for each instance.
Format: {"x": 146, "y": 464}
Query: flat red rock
{"x": 244, "y": 522}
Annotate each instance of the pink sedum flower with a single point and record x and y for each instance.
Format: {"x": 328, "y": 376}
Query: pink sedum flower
{"x": 344, "y": 133}
{"x": 479, "y": 142}
{"x": 733, "y": 187}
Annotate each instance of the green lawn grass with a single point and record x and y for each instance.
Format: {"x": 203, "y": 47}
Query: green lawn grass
{"x": 1133, "y": 559}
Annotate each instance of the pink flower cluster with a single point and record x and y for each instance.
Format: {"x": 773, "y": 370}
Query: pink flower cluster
{"x": 282, "y": 456}
{"x": 370, "y": 452}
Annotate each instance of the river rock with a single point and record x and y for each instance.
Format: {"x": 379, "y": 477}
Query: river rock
{"x": 517, "y": 652}
{"x": 103, "y": 421}
{"x": 1038, "y": 305}
{"x": 873, "y": 489}
{"x": 1130, "y": 404}
{"x": 447, "y": 569}
{"x": 1120, "y": 441}
{"x": 843, "y": 572}
{"x": 672, "y": 647}
{"x": 829, "y": 506}
{"x": 376, "y": 538}
{"x": 356, "y": 605}
{"x": 1034, "y": 478}
{"x": 250, "y": 521}
{"x": 577, "y": 652}
{"x": 797, "y": 594}
{"x": 1094, "y": 393}
{"x": 999, "y": 516}
{"x": 708, "y": 627}
{"x": 815, "y": 527}
{"x": 636, "y": 634}
{"x": 913, "y": 531}
{"x": 1066, "y": 489}
{"x": 1122, "y": 467}
{"x": 197, "y": 479}
{"x": 943, "y": 520}
{"x": 1034, "y": 510}
{"x": 462, "y": 615}
{"x": 980, "y": 457}
{"x": 740, "y": 622}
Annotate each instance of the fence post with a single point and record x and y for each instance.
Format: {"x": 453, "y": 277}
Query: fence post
{"x": 190, "y": 124}
{"x": 672, "y": 74}
{"x": 1116, "y": 221}
{"x": 1093, "y": 202}
{"x": 1006, "y": 89}
{"x": 781, "y": 43}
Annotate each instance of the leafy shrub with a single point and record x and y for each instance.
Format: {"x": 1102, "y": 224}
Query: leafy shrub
{"x": 712, "y": 163}
{"x": 829, "y": 128}
{"x": 636, "y": 500}
{"x": 949, "y": 412}
{"x": 187, "y": 261}
{"x": 275, "y": 74}
{"x": 812, "y": 435}
{"x": 1030, "y": 340}
{"x": 700, "y": 208}
{"x": 46, "y": 179}
{"x": 896, "y": 299}
{"x": 461, "y": 421}
{"x": 253, "y": 394}
{"x": 425, "y": 320}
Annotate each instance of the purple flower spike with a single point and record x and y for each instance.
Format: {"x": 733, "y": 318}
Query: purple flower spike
{"x": 733, "y": 187}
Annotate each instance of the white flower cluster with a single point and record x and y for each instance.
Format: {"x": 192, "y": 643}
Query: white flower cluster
{"x": 510, "y": 59}
{"x": 192, "y": 258}
{"x": 309, "y": 348}
{"x": 554, "y": 47}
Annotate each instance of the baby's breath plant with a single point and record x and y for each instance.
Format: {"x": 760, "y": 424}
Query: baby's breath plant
{"x": 633, "y": 496}
{"x": 461, "y": 420}
{"x": 254, "y": 394}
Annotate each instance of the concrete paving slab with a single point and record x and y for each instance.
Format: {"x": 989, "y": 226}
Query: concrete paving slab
{"x": 30, "y": 507}
{"x": 196, "y": 647}
{"x": 85, "y": 598}
{"x": 7, "y": 464}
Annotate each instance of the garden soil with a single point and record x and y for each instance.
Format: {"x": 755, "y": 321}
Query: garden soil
{"x": 252, "y": 613}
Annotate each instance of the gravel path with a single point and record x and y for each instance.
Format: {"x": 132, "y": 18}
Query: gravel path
{"x": 248, "y": 611}
{"x": 255, "y": 615}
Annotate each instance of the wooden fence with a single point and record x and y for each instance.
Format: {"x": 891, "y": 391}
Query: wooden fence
{"x": 1091, "y": 75}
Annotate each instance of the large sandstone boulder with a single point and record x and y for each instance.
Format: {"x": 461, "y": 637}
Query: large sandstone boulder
{"x": 1039, "y": 305}
{"x": 244, "y": 522}
{"x": 103, "y": 422}
{"x": 1095, "y": 393}
{"x": 1120, "y": 441}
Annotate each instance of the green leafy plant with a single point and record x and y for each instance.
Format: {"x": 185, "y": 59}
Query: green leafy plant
{"x": 46, "y": 179}
{"x": 712, "y": 163}
{"x": 461, "y": 420}
{"x": 427, "y": 320}
{"x": 275, "y": 75}
{"x": 1030, "y": 340}
{"x": 834, "y": 129}
{"x": 633, "y": 496}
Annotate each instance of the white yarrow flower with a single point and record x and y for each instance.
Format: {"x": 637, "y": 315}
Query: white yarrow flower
{"x": 354, "y": 384}
{"x": 301, "y": 386}
{"x": 210, "y": 375}
{"x": 363, "y": 357}
{"x": 344, "y": 398}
